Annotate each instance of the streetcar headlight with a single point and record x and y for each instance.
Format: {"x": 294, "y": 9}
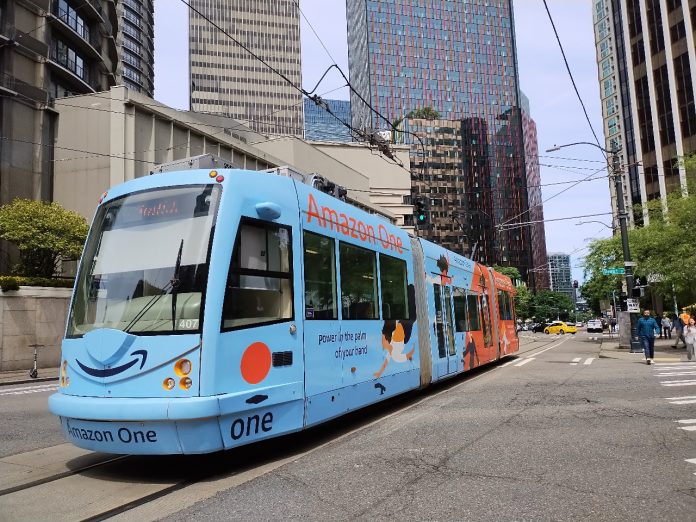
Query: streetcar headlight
{"x": 182, "y": 367}
{"x": 169, "y": 383}
{"x": 185, "y": 383}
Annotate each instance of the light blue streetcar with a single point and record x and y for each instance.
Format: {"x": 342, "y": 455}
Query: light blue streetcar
{"x": 216, "y": 308}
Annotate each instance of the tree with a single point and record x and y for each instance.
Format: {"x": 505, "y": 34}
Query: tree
{"x": 603, "y": 253}
{"x": 510, "y": 271}
{"x": 549, "y": 305}
{"x": 43, "y": 233}
{"x": 425, "y": 113}
{"x": 523, "y": 302}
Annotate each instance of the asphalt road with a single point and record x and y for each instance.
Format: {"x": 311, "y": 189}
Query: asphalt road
{"x": 560, "y": 433}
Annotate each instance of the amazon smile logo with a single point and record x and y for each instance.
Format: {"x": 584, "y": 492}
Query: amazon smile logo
{"x": 140, "y": 355}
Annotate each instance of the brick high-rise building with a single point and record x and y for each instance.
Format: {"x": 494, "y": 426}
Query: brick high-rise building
{"x": 457, "y": 57}
{"x": 226, "y": 79}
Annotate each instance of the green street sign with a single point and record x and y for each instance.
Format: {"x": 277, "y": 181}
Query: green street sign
{"x": 614, "y": 271}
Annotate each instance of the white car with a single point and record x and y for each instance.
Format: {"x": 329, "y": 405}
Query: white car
{"x": 595, "y": 325}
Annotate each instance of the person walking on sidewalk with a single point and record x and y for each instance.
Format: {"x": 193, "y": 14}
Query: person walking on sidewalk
{"x": 678, "y": 327}
{"x": 647, "y": 328}
{"x": 690, "y": 337}
{"x": 666, "y": 327}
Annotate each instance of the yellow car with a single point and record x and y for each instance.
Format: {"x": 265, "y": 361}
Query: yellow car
{"x": 559, "y": 327}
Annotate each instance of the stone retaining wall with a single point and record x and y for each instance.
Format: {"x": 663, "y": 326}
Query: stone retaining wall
{"x": 32, "y": 315}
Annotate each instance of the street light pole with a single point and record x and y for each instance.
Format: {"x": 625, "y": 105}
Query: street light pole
{"x": 623, "y": 228}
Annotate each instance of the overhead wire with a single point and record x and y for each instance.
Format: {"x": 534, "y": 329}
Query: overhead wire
{"x": 570, "y": 74}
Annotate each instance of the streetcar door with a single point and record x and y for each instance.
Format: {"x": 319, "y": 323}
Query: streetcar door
{"x": 261, "y": 339}
{"x": 444, "y": 331}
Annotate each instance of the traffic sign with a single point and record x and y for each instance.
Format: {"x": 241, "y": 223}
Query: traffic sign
{"x": 632, "y": 305}
{"x": 613, "y": 271}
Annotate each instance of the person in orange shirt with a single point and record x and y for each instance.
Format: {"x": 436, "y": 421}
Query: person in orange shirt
{"x": 685, "y": 316}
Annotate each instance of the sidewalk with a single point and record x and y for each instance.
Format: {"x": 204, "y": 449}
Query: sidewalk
{"x": 22, "y": 376}
{"x": 663, "y": 351}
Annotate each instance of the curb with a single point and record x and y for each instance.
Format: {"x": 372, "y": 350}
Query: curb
{"x": 28, "y": 381}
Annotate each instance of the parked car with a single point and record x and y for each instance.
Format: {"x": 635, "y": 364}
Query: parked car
{"x": 595, "y": 325}
{"x": 538, "y": 327}
{"x": 560, "y": 327}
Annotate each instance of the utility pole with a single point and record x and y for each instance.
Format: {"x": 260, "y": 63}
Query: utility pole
{"x": 613, "y": 158}
{"x": 623, "y": 227}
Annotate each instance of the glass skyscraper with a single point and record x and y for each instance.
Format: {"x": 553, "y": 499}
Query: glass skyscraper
{"x": 458, "y": 57}
{"x": 319, "y": 125}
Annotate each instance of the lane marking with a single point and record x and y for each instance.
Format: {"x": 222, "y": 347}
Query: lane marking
{"x": 508, "y": 363}
{"x": 25, "y": 392}
{"x": 686, "y": 421}
{"x": 588, "y": 361}
{"x": 552, "y": 346}
{"x": 525, "y": 361}
{"x": 576, "y": 361}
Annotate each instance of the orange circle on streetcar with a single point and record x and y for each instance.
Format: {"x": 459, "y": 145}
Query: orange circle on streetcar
{"x": 256, "y": 363}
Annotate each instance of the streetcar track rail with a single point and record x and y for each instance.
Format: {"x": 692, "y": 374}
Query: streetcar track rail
{"x": 111, "y": 473}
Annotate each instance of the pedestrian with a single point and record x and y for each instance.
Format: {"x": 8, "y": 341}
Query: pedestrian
{"x": 685, "y": 315}
{"x": 666, "y": 327}
{"x": 690, "y": 337}
{"x": 647, "y": 328}
{"x": 612, "y": 325}
{"x": 678, "y": 327}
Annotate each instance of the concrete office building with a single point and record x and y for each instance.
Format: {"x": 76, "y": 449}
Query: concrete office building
{"x": 457, "y": 57}
{"x": 646, "y": 61}
{"x": 48, "y": 49}
{"x": 111, "y": 137}
{"x": 560, "y": 274}
{"x": 226, "y": 79}
{"x": 136, "y": 48}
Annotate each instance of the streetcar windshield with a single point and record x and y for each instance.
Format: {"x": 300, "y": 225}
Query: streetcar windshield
{"x": 146, "y": 262}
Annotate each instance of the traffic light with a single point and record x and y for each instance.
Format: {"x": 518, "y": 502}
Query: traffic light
{"x": 420, "y": 210}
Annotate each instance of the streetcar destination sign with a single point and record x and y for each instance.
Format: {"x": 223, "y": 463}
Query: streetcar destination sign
{"x": 609, "y": 271}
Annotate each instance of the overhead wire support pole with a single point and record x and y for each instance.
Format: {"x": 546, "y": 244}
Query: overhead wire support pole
{"x": 622, "y": 215}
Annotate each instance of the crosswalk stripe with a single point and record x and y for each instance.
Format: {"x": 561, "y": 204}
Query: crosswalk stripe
{"x": 691, "y": 461}
{"x": 686, "y": 421}
{"x": 688, "y": 428}
{"x": 680, "y": 398}
{"x": 675, "y": 374}
{"x": 525, "y": 361}
{"x": 589, "y": 360}
{"x": 678, "y": 383}
{"x": 691, "y": 401}
{"x": 676, "y": 363}
{"x": 34, "y": 387}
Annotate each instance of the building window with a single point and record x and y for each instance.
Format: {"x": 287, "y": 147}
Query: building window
{"x": 685, "y": 95}
{"x": 68, "y": 15}
{"x": 394, "y": 287}
{"x": 68, "y": 58}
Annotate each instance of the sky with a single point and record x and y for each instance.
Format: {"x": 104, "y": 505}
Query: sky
{"x": 554, "y": 104}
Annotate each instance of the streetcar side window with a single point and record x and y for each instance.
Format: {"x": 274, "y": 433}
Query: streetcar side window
{"x": 472, "y": 311}
{"x": 358, "y": 282}
{"x": 460, "y": 317}
{"x": 259, "y": 284}
{"x": 505, "y": 304}
{"x": 320, "y": 277}
{"x": 394, "y": 285}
